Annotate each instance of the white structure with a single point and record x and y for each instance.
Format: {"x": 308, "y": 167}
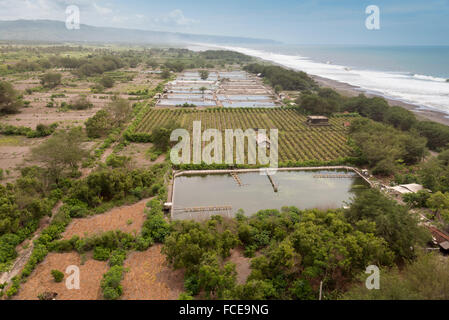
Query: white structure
{"x": 262, "y": 140}
{"x": 407, "y": 188}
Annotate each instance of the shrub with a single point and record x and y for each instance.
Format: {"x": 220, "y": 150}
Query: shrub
{"x": 110, "y": 283}
{"x": 101, "y": 254}
{"x": 51, "y": 80}
{"x": 107, "y": 82}
{"x": 143, "y": 243}
{"x": 81, "y": 103}
{"x": 185, "y": 296}
{"x": 117, "y": 257}
{"x": 99, "y": 125}
{"x": 58, "y": 276}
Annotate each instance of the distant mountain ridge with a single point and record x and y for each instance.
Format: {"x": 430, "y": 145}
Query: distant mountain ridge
{"x": 56, "y": 31}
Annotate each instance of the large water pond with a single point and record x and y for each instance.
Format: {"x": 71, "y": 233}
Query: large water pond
{"x": 302, "y": 189}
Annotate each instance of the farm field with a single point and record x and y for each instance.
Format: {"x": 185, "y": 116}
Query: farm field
{"x": 297, "y": 141}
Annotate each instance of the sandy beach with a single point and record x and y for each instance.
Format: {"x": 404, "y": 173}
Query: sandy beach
{"x": 349, "y": 90}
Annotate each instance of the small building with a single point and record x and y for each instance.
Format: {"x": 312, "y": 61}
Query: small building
{"x": 318, "y": 121}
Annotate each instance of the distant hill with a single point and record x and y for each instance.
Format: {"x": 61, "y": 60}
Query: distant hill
{"x": 55, "y": 31}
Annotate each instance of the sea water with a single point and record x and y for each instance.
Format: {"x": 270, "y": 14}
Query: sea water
{"x": 412, "y": 74}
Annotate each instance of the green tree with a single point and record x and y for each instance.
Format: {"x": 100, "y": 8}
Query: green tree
{"x": 80, "y": 103}
{"x": 99, "y": 125}
{"x": 9, "y": 102}
{"x": 61, "y": 151}
{"x": 160, "y": 136}
{"x": 107, "y": 81}
{"x": 204, "y": 74}
{"x": 393, "y": 222}
{"x": 120, "y": 109}
{"x": 400, "y": 118}
{"x": 51, "y": 80}
{"x": 165, "y": 74}
{"x": 426, "y": 278}
{"x": 277, "y": 88}
{"x": 215, "y": 280}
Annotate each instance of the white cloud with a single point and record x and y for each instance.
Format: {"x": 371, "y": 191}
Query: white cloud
{"x": 102, "y": 10}
{"x": 97, "y": 13}
{"x": 176, "y": 18}
{"x": 49, "y": 9}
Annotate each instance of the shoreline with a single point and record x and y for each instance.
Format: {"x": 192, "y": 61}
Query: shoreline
{"x": 352, "y": 91}
{"x": 349, "y": 90}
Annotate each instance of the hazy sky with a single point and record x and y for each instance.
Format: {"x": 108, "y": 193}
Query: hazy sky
{"x": 291, "y": 21}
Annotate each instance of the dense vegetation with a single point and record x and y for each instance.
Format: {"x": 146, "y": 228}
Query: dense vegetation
{"x": 295, "y": 249}
{"x": 278, "y": 76}
{"x": 9, "y": 99}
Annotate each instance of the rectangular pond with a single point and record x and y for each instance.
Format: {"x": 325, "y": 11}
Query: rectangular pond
{"x": 302, "y": 189}
{"x": 169, "y": 102}
{"x": 248, "y": 104}
{"x": 243, "y": 97}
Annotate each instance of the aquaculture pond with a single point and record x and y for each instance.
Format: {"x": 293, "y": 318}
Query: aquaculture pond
{"x": 252, "y": 191}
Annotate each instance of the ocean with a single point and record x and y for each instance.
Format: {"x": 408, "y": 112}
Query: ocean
{"x": 412, "y": 74}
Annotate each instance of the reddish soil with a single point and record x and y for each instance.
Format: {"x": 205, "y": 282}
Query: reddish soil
{"x": 150, "y": 277}
{"x": 116, "y": 219}
{"x": 41, "y": 280}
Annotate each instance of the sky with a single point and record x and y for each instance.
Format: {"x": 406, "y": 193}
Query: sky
{"x": 405, "y": 22}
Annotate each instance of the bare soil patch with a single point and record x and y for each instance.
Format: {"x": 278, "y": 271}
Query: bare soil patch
{"x": 242, "y": 265}
{"x": 150, "y": 277}
{"x": 14, "y": 151}
{"x": 128, "y": 219}
{"x": 41, "y": 280}
{"x": 138, "y": 153}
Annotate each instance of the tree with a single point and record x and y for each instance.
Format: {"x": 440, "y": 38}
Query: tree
{"x": 99, "y": 125}
{"x": 213, "y": 278}
{"x": 393, "y": 221}
{"x": 400, "y": 118}
{"x": 204, "y": 74}
{"x": 160, "y": 136}
{"x": 317, "y": 105}
{"x": 383, "y": 146}
{"x": 277, "y": 88}
{"x": 165, "y": 74}
{"x": 80, "y": 103}
{"x": 107, "y": 82}
{"x": 9, "y": 102}
{"x": 426, "y": 278}
{"x": 437, "y": 134}
{"x": 51, "y": 80}
{"x": 203, "y": 89}
{"x": 61, "y": 151}
{"x": 120, "y": 109}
